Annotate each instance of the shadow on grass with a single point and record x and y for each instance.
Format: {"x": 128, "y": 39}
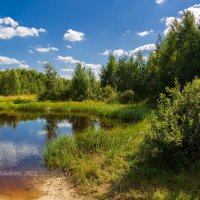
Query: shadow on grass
{"x": 155, "y": 183}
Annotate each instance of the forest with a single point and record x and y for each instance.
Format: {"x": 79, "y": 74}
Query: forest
{"x": 126, "y": 79}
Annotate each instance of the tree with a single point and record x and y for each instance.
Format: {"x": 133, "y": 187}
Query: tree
{"x": 177, "y": 57}
{"x": 107, "y": 74}
{"x": 13, "y": 86}
{"x": 53, "y": 84}
{"x": 80, "y": 84}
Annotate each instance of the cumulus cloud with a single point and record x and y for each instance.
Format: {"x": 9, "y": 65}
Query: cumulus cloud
{"x": 8, "y": 61}
{"x": 160, "y": 1}
{"x": 195, "y": 10}
{"x": 24, "y": 66}
{"x": 70, "y": 69}
{"x": 71, "y": 60}
{"x": 120, "y": 52}
{"x": 8, "y": 21}
{"x": 144, "y": 33}
{"x": 9, "y": 28}
{"x": 12, "y": 61}
{"x": 144, "y": 48}
{"x": 46, "y": 50}
{"x": 68, "y": 60}
{"x": 106, "y": 52}
{"x": 74, "y": 36}
{"x": 169, "y": 22}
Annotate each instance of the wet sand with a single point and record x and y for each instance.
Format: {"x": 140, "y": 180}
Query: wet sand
{"x": 50, "y": 186}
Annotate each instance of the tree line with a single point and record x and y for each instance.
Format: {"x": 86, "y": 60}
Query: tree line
{"x": 125, "y": 80}
{"x": 21, "y": 81}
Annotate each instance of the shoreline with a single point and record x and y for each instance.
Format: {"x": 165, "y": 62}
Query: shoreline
{"x": 51, "y": 185}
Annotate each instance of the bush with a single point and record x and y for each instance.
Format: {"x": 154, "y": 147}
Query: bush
{"x": 109, "y": 95}
{"x": 174, "y": 138}
{"x": 128, "y": 96}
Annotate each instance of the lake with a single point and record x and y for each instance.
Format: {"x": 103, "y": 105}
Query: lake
{"x": 23, "y": 137}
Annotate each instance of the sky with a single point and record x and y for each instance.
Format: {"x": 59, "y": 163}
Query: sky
{"x": 67, "y": 32}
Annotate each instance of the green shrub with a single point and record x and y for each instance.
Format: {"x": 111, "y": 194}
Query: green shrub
{"x": 128, "y": 96}
{"x": 174, "y": 138}
{"x": 109, "y": 95}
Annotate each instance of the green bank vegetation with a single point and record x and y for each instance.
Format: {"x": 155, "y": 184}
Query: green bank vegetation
{"x": 131, "y": 112}
{"x": 155, "y": 158}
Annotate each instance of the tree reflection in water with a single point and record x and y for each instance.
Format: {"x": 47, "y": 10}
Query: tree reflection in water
{"x": 78, "y": 122}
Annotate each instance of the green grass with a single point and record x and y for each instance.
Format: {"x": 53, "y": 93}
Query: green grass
{"x": 95, "y": 157}
{"x": 116, "y": 111}
{"x": 103, "y": 165}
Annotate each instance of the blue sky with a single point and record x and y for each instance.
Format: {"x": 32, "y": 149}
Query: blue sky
{"x": 65, "y": 32}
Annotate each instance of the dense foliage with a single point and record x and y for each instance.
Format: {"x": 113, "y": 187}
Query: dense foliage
{"x": 21, "y": 81}
{"x": 55, "y": 86}
{"x": 174, "y": 138}
{"x": 175, "y": 57}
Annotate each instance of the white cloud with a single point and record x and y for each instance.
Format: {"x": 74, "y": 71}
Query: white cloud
{"x": 93, "y": 66}
{"x": 24, "y": 66}
{"x": 118, "y": 52}
{"x": 169, "y": 22}
{"x": 46, "y": 50}
{"x": 106, "y": 52}
{"x": 74, "y": 36}
{"x": 8, "y": 61}
{"x": 12, "y": 61}
{"x": 10, "y": 28}
{"x": 160, "y": 1}
{"x": 145, "y": 49}
{"x": 68, "y": 60}
{"x": 69, "y": 70}
{"x": 195, "y": 10}
{"x": 42, "y": 62}
{"x": 68, "y": 46}
{"x": 144, "y": 33}
{"x": 8, "y": 21}
{"x": 71, "y": 60}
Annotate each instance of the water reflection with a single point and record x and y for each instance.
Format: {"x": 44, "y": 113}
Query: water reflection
{"x": 23, "y": 135}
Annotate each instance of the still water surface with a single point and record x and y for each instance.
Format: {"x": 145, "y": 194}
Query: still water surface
{"x": 22, "y": 140}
